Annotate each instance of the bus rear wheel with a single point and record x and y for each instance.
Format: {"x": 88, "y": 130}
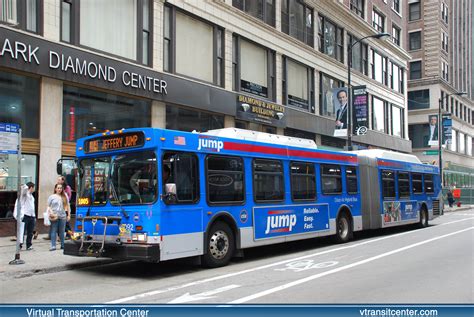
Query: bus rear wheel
{"x": 220, "y": 245}
{"x": 423, "y": 218}
{"x": 343, "y": 228}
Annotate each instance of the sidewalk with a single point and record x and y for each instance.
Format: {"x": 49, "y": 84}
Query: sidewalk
{"x": 456, "y": 208}
{"x": 40, "y": 260}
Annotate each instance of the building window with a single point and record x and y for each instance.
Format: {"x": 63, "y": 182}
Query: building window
{"x": 184, "y": 55}
{"x": 379, "y": 112}
{"x": 23, "y": 14}
{"x": 297, "y": 20}
{"x": 298, "y": 83}
{"x": 414, "y": 11}
{"x": 415, "y": 40}
{"x": 254, "y": 68}
{"x": 326, "y": 99}
{"x": 462, "y": 143}
{"x": 469, "y": 146}
{"x": 397, "y": 121}
{"x": 261, "y": 9}
{"x": 444, "y": 70}
{"x": 183, "y": 119}
{"x": 20, "y": 102}
{"x": 299, "y": 134}
{"x": 419, "y": 135}
{"x": 444, "y": 41}
{"x": 418, "y": 99}
{"x": 358, "y": 6}
{"x": 396, "y": 35}
{"x": 454, "y": 141}
{"x": 379, "y": 67}
{"x": 331, "y": 40}
{"x": 396, "y": 77}
{"x": 444, "y": 12}
{"x": 360, "y": 58}
{"x": 396, "y": 6}
{"x": 303, "y": 181}
{"x": 9, "y": 180}
{"x": 378, "y": 21}
{"x": 415, "y": 70}
{"x": 87, "y": 112}
{"x": 121, "y": 28}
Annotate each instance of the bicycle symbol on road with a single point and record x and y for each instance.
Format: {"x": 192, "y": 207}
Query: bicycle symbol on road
{"x": 304, "y": 265}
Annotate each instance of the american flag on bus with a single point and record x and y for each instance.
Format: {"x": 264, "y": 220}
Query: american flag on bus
{"x": 179, "y": 140}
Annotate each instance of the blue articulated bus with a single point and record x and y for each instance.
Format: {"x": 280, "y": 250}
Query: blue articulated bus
{"x": 154, "y": 194}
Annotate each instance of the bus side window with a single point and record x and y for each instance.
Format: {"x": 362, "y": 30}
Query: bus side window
{"x": 388, "y": 184}
{"x": 351, "y": 180}
{"x": 303, "y": 181}
{"x": 403, "y": 185}
{"x": 268, "y": 180}
{"x": 428, "y": 180}
{"x": 331, "y": 179}
{"x": 184, "y": 173}
{"x": 417, "y": 183}
{"x": 225, "y": 179}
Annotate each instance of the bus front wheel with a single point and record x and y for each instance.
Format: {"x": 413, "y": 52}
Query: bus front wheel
{"x": 343, "y": 228}
{"x": 220, "y": 245}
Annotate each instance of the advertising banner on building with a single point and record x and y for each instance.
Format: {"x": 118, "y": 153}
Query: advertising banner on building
{"x": 360, "y": 110}
{"x": 339, "y": 100}
{"x": 447, "y": 129}
{"x": 259, "y": 111}
{"x": 433, "y": 130}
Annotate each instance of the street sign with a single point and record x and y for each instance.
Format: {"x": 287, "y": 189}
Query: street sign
{"x": 9, "y": 138}
{"x": 431, "y": 152}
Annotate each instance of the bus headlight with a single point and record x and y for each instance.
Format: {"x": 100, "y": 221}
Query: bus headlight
{"x": 139, "y": 237}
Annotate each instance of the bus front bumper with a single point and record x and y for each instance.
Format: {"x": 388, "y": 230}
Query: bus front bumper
{"x": 143, "y": 252}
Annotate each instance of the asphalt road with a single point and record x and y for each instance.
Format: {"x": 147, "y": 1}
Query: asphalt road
{"x": 398, "y": 265}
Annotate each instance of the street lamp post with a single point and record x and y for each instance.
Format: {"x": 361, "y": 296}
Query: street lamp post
{"x": 440, "y": 134}
{"x": 349, "y": 95}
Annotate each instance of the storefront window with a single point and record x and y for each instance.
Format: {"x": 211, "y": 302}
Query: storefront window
{"x": 19, "y": 102}
{"x": 86, "y": 112}
{"x": 9, "y": 179}
{"x": 183, "y": 119}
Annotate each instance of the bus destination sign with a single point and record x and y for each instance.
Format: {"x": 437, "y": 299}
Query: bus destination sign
{"x": 115, "y": 142}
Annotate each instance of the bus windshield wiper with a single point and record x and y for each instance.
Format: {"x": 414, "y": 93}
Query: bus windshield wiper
{"x": 114, "y": 192}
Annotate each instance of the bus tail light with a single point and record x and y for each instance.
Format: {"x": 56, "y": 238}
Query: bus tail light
{"x": 139, "y": 228}
{"x": 79, "y": 227}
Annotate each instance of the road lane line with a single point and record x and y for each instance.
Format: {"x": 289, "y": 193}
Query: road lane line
{"x": 342, "y": 268}
{"x": 220, "y": 277}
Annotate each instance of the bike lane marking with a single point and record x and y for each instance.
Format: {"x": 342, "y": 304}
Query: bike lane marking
{"x": 342, "y": 268}
{"x": 225, "y": 276}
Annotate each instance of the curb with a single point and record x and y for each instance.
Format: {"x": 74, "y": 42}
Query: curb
{"x": 56, "y": 269}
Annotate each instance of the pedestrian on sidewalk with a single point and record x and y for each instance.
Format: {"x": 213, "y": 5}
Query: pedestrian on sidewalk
{"x": 450, "y": 197}
{"x": 27, "y": 214}
{"x": 59, "y": 213}
{"x": 67, "y": 190}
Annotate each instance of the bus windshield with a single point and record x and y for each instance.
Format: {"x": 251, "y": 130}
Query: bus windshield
{"x": 132, "y": 180}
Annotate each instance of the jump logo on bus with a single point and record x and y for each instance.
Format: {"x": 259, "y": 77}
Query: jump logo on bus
{"x": 280, "y": 221}
{"x": 210, "y": 144}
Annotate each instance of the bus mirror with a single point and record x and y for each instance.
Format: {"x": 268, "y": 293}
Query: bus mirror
{"x": 170, "y": 189}
{"x": 59, "y": 167}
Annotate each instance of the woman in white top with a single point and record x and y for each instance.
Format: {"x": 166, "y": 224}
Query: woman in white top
{"x": 59, "y": 213}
